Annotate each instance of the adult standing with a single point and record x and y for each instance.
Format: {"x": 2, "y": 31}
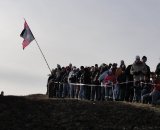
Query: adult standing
{"x": 146, "y": 86}
{"x": 138, "y": 70}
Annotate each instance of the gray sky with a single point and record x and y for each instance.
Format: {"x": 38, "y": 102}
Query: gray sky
{"x": 83, "y": 32}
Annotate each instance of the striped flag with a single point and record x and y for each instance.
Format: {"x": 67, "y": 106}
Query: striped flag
{"x": 27, "y": 35}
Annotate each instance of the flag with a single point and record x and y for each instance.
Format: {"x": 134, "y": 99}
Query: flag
{"x": 27, "y": 35}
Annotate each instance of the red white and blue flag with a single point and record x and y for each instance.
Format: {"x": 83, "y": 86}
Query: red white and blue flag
{"x": 27, "y": 35}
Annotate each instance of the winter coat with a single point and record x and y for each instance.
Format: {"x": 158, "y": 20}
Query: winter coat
{"x": 138, "y": 70}
{"x": 109, "y": 79}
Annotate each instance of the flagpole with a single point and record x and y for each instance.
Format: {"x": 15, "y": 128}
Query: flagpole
{"x": 43, "y": 55}
{"x": 40, "y": 50}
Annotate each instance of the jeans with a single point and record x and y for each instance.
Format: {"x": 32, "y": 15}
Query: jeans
{"x": 94, "y": 92}
{"x": 65, "y": 90}
{"x": 116, "y": 91}
{"x": 81, "y": 92}
{"x": 72, "y": 90}
{"x": 137, "y": 91}
{"x": 109, "y": 92}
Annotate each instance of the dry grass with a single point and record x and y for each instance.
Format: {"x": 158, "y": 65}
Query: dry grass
{"x": 37, "y": 112}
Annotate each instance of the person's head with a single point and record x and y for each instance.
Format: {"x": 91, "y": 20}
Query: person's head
{"x": 110, "y": 65}
{"x": 137, "y": 59}
{"x": 74, "y": 68}
{"x": 144, "y": 59}
{"x": 92, "y": 69}
{"x": 103, "y": 64}
{"x": 82, "y": 68}
{"x": 123, "y": 67}
{"x": 58, "y": 66}
{"x": 96, "y": 65}
{"x": 114, "y": 65}
{"x": 122, "y": 62}
{"x": 68, "y": 69}
{"x": 70, "y": 65}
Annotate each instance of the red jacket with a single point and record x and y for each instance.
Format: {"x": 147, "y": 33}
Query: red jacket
{"x": 110, "y": 79}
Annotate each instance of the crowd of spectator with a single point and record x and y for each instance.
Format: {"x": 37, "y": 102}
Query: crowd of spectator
{"x": 107, "y": 82}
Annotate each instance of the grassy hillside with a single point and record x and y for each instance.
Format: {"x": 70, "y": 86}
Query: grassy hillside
{"x": 37, "y": 112}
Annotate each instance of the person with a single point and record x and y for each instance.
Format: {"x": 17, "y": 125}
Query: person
{"x": 72, "y": 78}
{"x": 146, "y": 87}
{"x": 129, "y": 84}
{"x": 157, "y": 71}
{"x": 64, "y": 86}
{"x": 2, "y": 93}
{"x": 138, "y": 70}
{"x": 147, "y": 75}
{"x": 109, "y": 81}
{"x": 155, "y": 94}
{"x": 121, "y": 85}
{"x": 50, "y": 84}
{"x": 86, "y": 79}
{"x": 58, "y": 76}
{"x": 122, "y": 64}
{"x": 80, "y": 80}
{"x": 94, "y": 80}
{"x": 103, "y": 73}
{"x": 147, "y": 98}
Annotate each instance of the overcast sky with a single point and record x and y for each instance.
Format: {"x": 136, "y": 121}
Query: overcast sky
{"x": 81, "y": 32}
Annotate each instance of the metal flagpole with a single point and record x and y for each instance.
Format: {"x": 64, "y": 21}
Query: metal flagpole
{"x": 41, "y": 51}
{"x": 43, "y": 55}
